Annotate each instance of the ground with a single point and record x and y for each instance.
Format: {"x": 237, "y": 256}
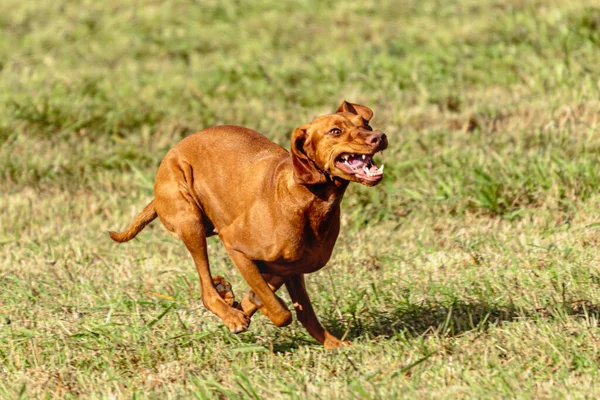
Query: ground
{"x": 472, "y": 271}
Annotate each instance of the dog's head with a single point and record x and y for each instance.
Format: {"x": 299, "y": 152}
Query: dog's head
{"x": 340, "y": 145}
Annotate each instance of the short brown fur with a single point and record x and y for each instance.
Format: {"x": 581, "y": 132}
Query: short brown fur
{"x": 277, "y": 213}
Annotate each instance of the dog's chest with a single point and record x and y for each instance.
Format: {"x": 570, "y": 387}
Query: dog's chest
{"x": 309, "y": 247}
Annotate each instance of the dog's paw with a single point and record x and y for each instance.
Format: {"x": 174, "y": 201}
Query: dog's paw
{"x": 254, "y": 299}
{"x": 331, "y": 342}
{"x": 224, "y": 289}
{"x": 236, "y": 321}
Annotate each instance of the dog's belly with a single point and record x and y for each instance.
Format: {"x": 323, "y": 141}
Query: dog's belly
{"x": 281, "y": 249}
{"x": 312, "y": 256}
{"x": 305, "y": 265}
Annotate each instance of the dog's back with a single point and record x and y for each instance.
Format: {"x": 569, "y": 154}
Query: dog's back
{"x": 223, "y": 168}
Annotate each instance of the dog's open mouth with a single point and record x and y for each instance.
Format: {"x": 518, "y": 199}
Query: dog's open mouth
{"x": 360, "y": 165}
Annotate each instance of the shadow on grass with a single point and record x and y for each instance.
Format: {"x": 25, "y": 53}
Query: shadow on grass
{"x": 448, "y": 319}
{"x": 453, "y": 319}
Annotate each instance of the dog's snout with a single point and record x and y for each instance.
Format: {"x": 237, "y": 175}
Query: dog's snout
{"x": 377, "y": 139}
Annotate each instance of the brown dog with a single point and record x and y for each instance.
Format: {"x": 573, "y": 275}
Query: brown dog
{"x": 277, "y": 214}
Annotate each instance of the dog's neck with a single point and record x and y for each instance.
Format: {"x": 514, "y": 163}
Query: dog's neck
{"x": 331, "y": 192}
{"x": 325, "y": 204}
{"x": 320, "y": 203}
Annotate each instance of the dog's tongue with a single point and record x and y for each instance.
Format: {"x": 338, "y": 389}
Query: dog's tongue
{"x": 357, "y": 161}
{"x": 362, "y": 165}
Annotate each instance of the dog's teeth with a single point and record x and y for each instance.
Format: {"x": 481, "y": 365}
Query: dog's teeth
{"x": 381, "y": 168}
{"x": 363, "y": 157}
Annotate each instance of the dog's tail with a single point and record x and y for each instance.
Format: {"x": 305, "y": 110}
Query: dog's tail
{"x": 139, "y": 223}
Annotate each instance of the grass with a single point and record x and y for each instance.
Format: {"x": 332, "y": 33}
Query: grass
{"x": 472, "y": 271}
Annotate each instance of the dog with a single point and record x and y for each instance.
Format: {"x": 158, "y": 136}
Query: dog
{"x": 276, "y": 213}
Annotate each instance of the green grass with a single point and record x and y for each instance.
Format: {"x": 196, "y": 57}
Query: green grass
{"x": 472, "y": 271}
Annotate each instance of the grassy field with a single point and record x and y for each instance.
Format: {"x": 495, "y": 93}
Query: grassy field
{"x": 472, "y": 271}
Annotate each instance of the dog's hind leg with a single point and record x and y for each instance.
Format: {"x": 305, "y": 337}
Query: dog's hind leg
{"x": 225, "y": 291}
{"x": 192, "y": 235}
{"x": 181, "y": 215}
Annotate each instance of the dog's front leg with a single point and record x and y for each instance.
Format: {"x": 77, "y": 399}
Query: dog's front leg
{"x": 250, "y": 303}
{"x": 262, "y": 294}
{"x": 306, "y": 313}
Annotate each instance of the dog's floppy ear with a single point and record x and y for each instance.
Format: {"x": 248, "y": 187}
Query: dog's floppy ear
{"x": 305, "y": 170}
{"x": 357, "y": 109}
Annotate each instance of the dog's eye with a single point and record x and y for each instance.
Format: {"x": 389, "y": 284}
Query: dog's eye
{"x": 335, "y": 131}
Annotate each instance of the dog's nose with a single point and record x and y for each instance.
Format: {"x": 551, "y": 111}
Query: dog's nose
{"x": 377, "y": 139}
